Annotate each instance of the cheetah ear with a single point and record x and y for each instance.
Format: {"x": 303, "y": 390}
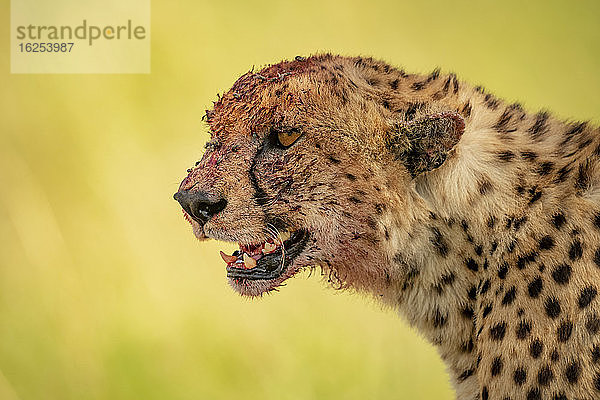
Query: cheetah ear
{"x": 423, "y": 143}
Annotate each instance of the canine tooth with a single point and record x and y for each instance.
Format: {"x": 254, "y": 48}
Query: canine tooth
{"x": 227, "y": 258}
{"x": 249, "y": 262}
{"x": 269, "y": 248}
{"x": 284, "y": 236}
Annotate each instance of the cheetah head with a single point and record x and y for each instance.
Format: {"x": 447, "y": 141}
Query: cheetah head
{"x": 306, "y": 166}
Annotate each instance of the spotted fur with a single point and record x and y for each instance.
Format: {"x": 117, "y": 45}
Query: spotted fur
{"x": 487, "y": 239}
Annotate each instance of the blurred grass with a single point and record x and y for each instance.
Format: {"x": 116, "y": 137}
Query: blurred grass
{"x": 104, "y": 293}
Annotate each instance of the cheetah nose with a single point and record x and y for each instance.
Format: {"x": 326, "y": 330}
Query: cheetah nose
{"x": 199, "y": 206}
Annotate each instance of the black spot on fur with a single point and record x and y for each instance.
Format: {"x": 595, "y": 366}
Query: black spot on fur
{"x": 509, "y": 296}
{"x": 487, "y": 310}
{"x": 545, "y": 375}
{"x": 529, "y": 155}
{"x": 333, "y": 160}
{"x": 485, "y": 187}
{"x": 596, "y": 354}
{"x": 545, "y": 168}
{"x": 484, "y": 287}
{"x": 526, "y": 259}
{"x": 467, "y": 373}
{"x": 412, "y": 110}
{"x": 520, "y": 376}
{"x": 546, "y": 243}
{"x": 535, "y": 287}
{"x": 355, "y": 200}
{"x": 506, "y": 156}
{"x": 496, "y": 368}
{"x": 593, "y": 324}
{"x": 484, "y": 393}
{"x": 445, "y": 280}
{"x": 558, "y": 220}
{"x": 574, "y": 130}
{"x": 586, "y": 296}
{"x": 539, "y": 127}
{"x": 564, "y": 330}
{"x": 466, "y": 110}
{"x": 562, "y": 274}
{"x": 472, "y": 265}
{"x": 464, "y": 225}
{"x": 491, "y": 101}
{"x": 498, "y": 331}
{"x": 479, "y": 250}
{"x": 502, "y": 124}
{"x": 534, "y": 394}
{"x": 416, "y": 86}
{"x": 467, "y": 312}
{"x": 503, "y": 270}
{"x": 552, "y": 306}
{"x": 535, "y": 196}
{"x": 572, "y": 372}
{"x": 439, "y": 319}
{"x": 597, "y": 257}
{"x": 519, "y": 222}
{"x": 493, "y": 247}
{"x": 597, "y": 220}
{"x": 523, "y": 330}
{"x": 575, "y": 251}
{"x": 472, "y": 293}
{"x": 467, "y": 347}
{"x": 562, "y": 174}
{"x": 454, "y": 83}
{"x": 439, "y": 242}
{"x": 535, "y": 348}
{"x": 582, "y": 181}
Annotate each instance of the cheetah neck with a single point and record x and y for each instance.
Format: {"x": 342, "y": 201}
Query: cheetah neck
{"x": 479, "y": 216}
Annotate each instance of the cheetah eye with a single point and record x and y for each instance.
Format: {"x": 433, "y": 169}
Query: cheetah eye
{"x": 288, "y": 137}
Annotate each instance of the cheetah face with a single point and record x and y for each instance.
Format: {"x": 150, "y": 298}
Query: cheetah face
{"x": 283, "y": 182}
{"x": 298, "y": 178}
{"x": 276, "y": 191}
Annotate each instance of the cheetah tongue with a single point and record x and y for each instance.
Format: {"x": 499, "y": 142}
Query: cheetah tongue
{"x": 227, "y": 258}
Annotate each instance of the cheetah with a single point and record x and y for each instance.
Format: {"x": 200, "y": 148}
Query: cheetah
{"x": 478, "y": 221}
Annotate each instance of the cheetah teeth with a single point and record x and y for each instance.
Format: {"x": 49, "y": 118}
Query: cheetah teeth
{"x": 269, "y": 248}
{"x": 249, "y": 262}
{"x": 247, "y": 256}
{"x": 284, "y": 236}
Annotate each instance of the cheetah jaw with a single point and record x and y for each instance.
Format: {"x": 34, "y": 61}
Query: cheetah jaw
{"x": 266, "y": 260}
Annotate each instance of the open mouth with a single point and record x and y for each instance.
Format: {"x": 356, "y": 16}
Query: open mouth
{"x": 266, "y": 260}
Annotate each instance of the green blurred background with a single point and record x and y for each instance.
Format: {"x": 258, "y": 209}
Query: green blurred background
{"x": 104, "y": 292}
